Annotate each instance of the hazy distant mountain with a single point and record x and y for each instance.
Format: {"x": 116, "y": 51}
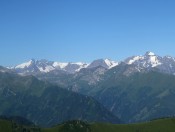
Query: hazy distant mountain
{"x": 138, "y": 97}
{"x": 4, "y": 69}
{"x": 46, "y": 104}
{"x": 43, "y": 66}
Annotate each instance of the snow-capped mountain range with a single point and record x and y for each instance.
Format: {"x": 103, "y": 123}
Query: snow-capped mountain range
{"x": 148, "y": 61}
{"x": 44, "y": 66}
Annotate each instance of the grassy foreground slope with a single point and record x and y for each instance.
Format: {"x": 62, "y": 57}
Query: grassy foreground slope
{"x": 11, "y": 126}
{"x": 5, "y": 126}
{"x": 161, "y": 125}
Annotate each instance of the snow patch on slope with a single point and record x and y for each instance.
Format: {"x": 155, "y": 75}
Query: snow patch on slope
{"x": 81, "y": 65}
{"x": 24, "y": 65}
{"x": 136, "y": 58}
{"x": 46, "y": 69}
{"x": 60, "y": 65}
{"x": 154, "y": 61}
{"x": 110, "y": 63}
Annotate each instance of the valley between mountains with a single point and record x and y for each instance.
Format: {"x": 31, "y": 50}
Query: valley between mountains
{"x": 137, "y": 89}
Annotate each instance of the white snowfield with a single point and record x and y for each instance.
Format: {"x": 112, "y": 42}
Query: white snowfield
{"x": 24, "y": 65}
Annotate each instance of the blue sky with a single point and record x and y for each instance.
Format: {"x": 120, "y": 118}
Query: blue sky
{"x": 84, "y": 30}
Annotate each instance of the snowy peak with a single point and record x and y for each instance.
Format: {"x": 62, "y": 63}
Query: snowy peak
{"x": 147, "y": 60}
{"x": 106, "y": 63}
{"x": 110, "y": 63}
{"x": 34, "y": 66}
{"x": 154, "y": 61}
{"x": 148, "y": 53}
{"x": 75, "y": 67}
{"x": 25, "y": 64}
{"x": 150, "y": 60}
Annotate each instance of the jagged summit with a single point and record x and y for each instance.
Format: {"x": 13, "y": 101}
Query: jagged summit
{"x": 149, "y": 53}
{"x": 147, "y": 60}
{"x": 26, "y": 64}
{"x": 106, "y": 63}
{"x": 150, "y": 60}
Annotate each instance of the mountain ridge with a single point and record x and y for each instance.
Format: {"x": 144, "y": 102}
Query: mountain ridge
{"x": 137, "y": 89}
{"x": 45, "y": 66}
{"x": 149, "y": 61}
